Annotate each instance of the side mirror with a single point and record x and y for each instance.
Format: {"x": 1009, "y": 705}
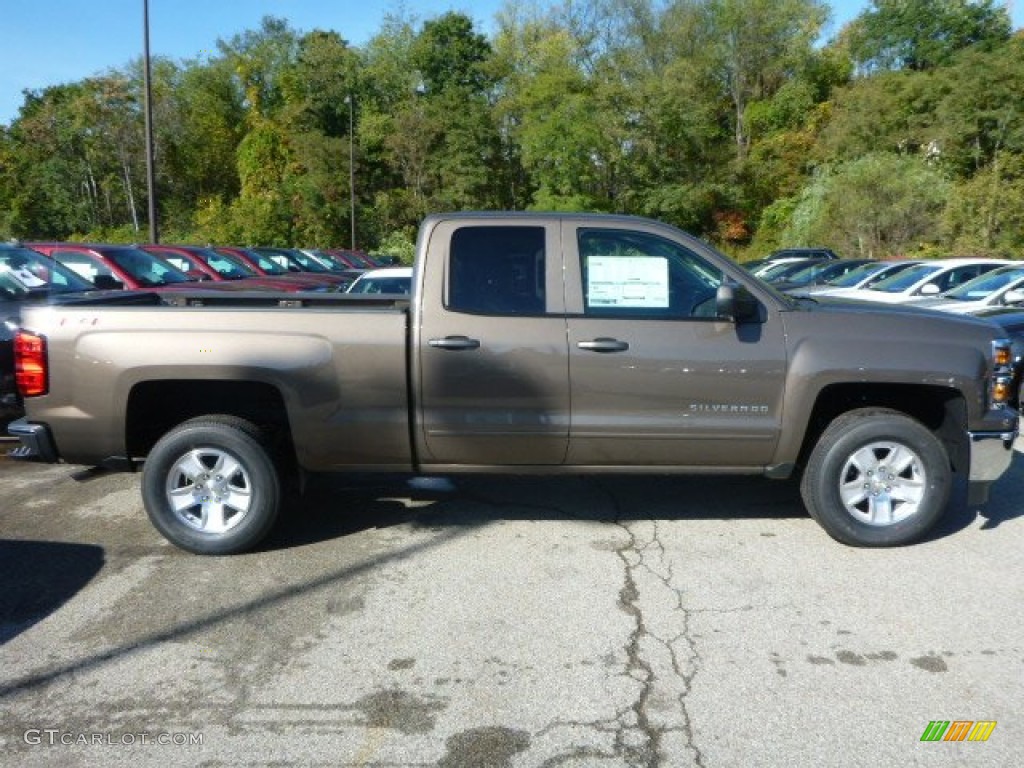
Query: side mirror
{"x": 1016, "y": 296}
{"x": 931, "y": 289}
{"x": 736, "y": 304}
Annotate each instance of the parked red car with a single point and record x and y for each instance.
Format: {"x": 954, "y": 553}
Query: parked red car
{"x": 296, "y": 260}
{"x": 358, "y": 259}
{"x": 219, "y": 267}
{"x": 116, "y": 266}
{"x": 264, "y": 265}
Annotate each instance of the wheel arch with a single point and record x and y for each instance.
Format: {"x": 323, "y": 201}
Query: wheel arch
{"x": 940, "y": 409}
{"x": 156, "y": 407}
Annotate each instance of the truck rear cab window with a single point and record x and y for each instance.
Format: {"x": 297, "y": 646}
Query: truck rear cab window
{"x": 635, "y": 274}
{"x": 497, "y": 271}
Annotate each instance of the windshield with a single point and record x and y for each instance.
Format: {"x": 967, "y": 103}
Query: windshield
{"x": 308, "y": 263}
{"x": 808, "y": 273}
{"x": 263, "y": 262}
{"x": 26, "y": 274}
{"x": 144, "y": 267}
{"x": 287, "y": 258}
{"x": 906, "y": 279}
{"x": 360, "y": 260}
{"x": 855, "y": 276}
{"x": 777, "y": 272}
{"x": 329, "y": 260}
{"x": 985, "y": 285}
{"x": 885, "y": 274}
{"x": 223, "y": 264}
{"x": 381, "y": 285}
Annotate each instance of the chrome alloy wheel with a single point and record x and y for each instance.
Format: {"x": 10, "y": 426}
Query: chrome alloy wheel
{"x": 209, "y": 490}
{"x": 882, "y": 483}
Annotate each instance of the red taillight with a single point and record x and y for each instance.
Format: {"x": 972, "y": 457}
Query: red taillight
{"x": 30, "y": 364}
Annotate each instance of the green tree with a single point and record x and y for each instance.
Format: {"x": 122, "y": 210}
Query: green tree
{"x": 260, "y": 58}
{"x": 981, "y": 116}
{"x": 8, "y": 179}
{"x": 985, "y": 214}
{"x": 63, "y": 164}
{"x": 549, "y": 111}
{"x": 924, "y": 34}
{"x": 890, "y": 111}
{"x": 392, "y": 155}
{"x": 755, "y": 45}
{"x": 450, "y": 55}
{"x": 318, "y": 85}
{"x": 199, "y": 120}
{"x": 881, "y": 204}
{"x": 433, "y": 131}
{"x": 262, "y": 210}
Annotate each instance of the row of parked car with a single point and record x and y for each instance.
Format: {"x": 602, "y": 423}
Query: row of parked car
{"x": 36, "y": 272}
{"x": 987, "y": 288}
{"x": 173, "y": 267}
{"x": 954, "y": 285}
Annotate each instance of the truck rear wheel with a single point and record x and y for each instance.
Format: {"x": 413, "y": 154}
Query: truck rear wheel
{"x": 210, "y": 486}
{"x": 877, "y": 478}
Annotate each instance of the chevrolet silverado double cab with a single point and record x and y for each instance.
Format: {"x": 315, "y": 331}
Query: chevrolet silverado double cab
{"x": 531, "y": 343}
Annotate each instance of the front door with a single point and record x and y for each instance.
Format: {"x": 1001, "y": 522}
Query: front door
{"x": 655, "y": 378}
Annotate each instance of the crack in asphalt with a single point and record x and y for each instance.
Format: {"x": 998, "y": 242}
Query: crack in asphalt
{"x": 649, "y": 555}
{"x": 637, "y": 667}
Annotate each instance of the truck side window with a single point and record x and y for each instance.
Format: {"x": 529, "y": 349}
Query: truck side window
{"x": 497, "y": 270}
{"x": 635, "y": 274}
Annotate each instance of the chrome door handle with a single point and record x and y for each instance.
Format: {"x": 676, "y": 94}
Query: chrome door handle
{"x": 455, "y": 342}
{"x": 603, "y": 345}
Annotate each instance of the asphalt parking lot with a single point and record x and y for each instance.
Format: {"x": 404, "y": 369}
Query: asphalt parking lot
{"x": 504, "y": 622}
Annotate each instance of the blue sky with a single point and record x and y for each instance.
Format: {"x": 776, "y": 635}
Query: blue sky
{"x": 47, "y": 42}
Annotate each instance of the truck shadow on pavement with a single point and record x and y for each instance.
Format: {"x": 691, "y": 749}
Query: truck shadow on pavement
{"x": 335, "y": 506}
{"x": 38, "y": 577}
{"x": 338, "y": 505}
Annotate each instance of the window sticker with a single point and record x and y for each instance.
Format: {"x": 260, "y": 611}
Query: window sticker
{"x": 627, "y": 282}
{"x": 24, "y": 276}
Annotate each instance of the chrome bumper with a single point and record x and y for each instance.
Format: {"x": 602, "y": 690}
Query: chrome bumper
{"x": 991, "y": 454}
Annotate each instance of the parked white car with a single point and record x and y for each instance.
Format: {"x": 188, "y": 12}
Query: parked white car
{"x": 927, "y": 279}
{"x": 386, "y": 280}
{"x": 999, "y": 288}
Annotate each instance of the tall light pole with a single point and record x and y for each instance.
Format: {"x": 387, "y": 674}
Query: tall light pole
{"x": 350, "y": 100}
{"x": 154, "y": 234}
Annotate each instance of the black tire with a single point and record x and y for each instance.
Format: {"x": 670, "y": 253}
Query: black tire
{"x": 221, "y": 473}
{"x": 899, "y": 467}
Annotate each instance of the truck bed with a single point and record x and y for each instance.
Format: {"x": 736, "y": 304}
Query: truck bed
{"x": 332, "y": 367}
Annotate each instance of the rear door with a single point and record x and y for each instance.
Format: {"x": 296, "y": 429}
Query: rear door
{"x": 655, "y": 378}
{"x": 490, "y": 339}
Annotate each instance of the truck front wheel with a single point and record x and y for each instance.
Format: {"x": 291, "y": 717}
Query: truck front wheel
{"x": 876, "y": 478}
{"x": 210, "y": 486}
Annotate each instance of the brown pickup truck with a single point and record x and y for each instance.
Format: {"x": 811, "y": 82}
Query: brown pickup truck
{"x": 532, "y": 343}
